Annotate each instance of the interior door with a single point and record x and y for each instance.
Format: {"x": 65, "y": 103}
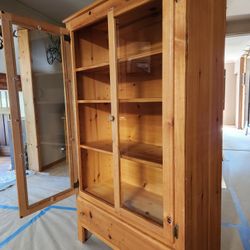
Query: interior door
{"x": 42, "y": 114}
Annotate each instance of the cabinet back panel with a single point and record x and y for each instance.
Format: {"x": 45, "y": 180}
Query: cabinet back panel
{"x": 93, "y": 85}
{"x": 94, "y": 122}
{"x": 92, "y": 45}
{"x": 141, "y": 175}
{"x": 141, "y": 122}
{"x": 141, "y": 78}
{"x": 97, "y": 175}
{"x": 140, "y": 31}
{"x": 97, "y": 168}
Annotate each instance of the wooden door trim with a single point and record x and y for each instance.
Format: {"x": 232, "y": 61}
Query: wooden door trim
{"x": 114, "y": 106}
{"x": 3, "y": 82}
{"x": 240, "y": 114}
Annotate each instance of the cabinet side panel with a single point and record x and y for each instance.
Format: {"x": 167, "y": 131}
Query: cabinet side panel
{"x": 216, "y": 122}
{"x": 204, "y": 97}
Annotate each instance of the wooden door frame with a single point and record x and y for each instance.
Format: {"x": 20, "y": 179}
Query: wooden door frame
{"x": 8, "y": 20}
{"x": 240, "y": 91}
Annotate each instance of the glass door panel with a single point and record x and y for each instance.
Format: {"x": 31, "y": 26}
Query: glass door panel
{"x": 39, "y": 94}
{"x": 94, "y": 110}
{"x": 43, "y": 113}
{"x": 139, "y": 34}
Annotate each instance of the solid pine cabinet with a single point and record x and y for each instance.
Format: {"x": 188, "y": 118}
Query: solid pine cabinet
{"x": 126, "y": 110}
{"x": 148, "y": 77}
{"x": 145, "y": 86}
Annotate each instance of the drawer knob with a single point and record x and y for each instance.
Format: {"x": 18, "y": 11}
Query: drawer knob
{"x": 111, "y": 118}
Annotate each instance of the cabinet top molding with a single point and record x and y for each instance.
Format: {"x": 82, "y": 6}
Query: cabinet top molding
{"x": 98, "y": 10}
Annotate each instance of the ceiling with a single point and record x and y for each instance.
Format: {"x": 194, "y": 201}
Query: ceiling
{"x": 238, "y": 9}
{"x": 235, "y": 47}
{"x": 56, "y": 10}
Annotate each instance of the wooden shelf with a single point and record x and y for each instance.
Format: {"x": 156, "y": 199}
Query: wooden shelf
{"x": 131, "y": 100}
{"x": 104, "y": 65}
{"x": 93, "y": 101}
{"x": 142, "y": 202}
{"x": 99, "y": 66}
{"x": 141, "y": 100}
{"x": 140, "y": 55}
{"x": 49, "y": 103}
{"x": 104, "y": 191}
{"x": 142, "y": 153}
{"x": 99, "y": 146}
{"x": 134, "y": 199}
{"x": 138, "y": 152}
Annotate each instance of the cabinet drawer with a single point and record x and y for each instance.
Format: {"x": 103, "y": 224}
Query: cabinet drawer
{"x": 114, "y": 231}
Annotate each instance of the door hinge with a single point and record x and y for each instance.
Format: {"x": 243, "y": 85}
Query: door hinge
{"x": 176, "y": 231}
{"x": 76, "y": 184}
{"x": 67, "y": 38}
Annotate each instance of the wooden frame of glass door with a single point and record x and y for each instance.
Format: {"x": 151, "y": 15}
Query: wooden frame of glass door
{"x": 166, "y": 232}
{"x": 7, "y": 21}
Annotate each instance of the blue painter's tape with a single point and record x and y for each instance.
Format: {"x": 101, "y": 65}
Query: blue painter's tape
{"x": 30, "y": 222}
{"x": 63, "y": 208}
{"x": 243, "y": 227}
{"x": 230, "y": 225}
{"x": 6, "y": 207}
{"x": 23, "y": 227}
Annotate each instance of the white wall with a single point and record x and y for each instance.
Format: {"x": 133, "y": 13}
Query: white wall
{"x": 229, "y": 113}
{"x": 20, "y": 9}
{"x": 49, "y": 97}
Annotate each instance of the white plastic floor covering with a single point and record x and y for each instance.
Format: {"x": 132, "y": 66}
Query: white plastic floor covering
{"x": 54, "y": 228}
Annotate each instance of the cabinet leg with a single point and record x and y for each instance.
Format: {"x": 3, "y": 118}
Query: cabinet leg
{"x": 83, "y": 234}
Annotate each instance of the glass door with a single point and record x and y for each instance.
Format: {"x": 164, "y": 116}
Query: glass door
{"x": 139, "y": 40}
{"x": 94, "y": 111}
{"x": 36, "y": 57}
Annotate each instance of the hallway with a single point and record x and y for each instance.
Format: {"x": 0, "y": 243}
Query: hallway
{"x": 235, "y": 194}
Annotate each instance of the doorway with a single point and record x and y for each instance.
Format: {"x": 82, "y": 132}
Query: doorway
{"x": 236, "y": 146}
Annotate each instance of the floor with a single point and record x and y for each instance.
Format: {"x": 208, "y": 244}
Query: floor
{"x": 235, "y": 194}
{"x": 57, "y": 224}
{"x": 59, "y": 169}
{"x": 50, "y": 223}
{"x": 57, "y": 176}
{"x": 5, "y": 163}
